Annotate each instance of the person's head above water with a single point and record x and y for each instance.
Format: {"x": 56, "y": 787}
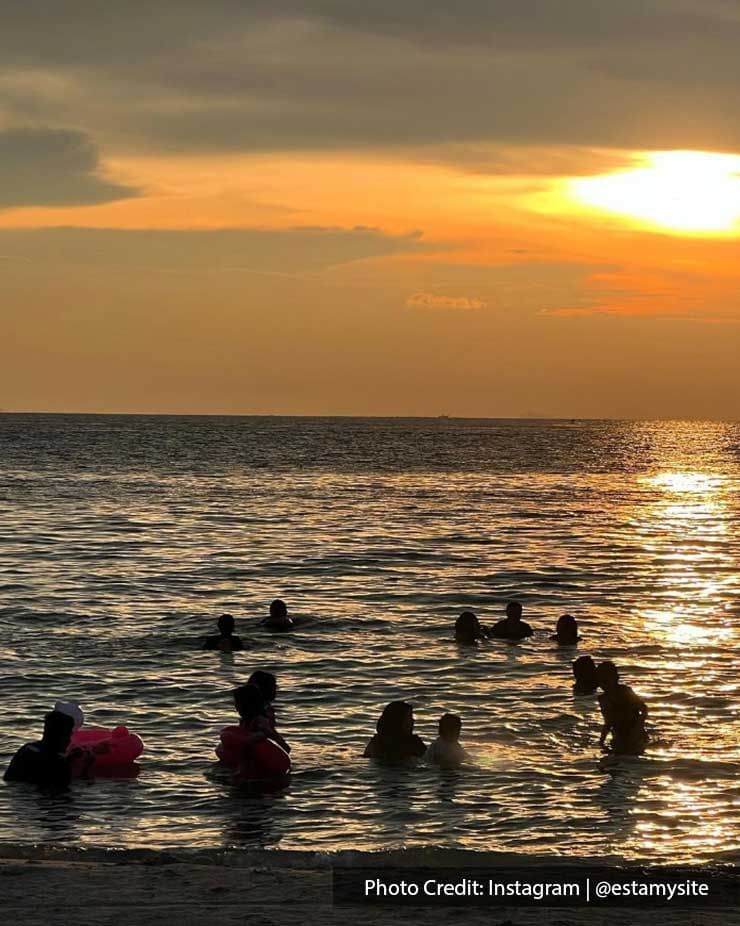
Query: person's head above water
{"x": 584, "y": 672}
{"x": 607, "y": 675}
{"x": 279, "y": 614}
{"x": 58, "y": 729}
{"x": 266, "y": 682}
{"x": 249, "y": 701}
{"x": 514, "y": 611}
{"x": 467, "y": 628}
{"x": 449, "y": 727}
{"x": 396, "y": 720}
{"x": 566, "y": 630}
{"x": 71, "y": 709}
{"x": 226, "y": 625}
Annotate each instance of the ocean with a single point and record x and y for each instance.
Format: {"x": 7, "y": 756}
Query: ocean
{"x": 122, "y": 539}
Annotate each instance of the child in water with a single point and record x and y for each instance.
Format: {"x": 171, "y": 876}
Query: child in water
{"x": 250, "y": 705}
{"x": 623, "y": 711}
{"x": 446, "y": 749}
{"x": 566, "y": 631}
{"x": 226, "y": 641}
{"x": 584, "y": 673}
{"x": 267, "y": 684}
{"x": 395, "y": 740}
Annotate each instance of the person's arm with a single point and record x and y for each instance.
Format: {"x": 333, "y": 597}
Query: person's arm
{"x": 12, "y": 772}
{"x": 274, "y": 735}
{"x": 605, "y": 730}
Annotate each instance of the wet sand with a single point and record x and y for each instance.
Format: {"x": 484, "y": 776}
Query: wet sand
{"x": 143, "y": 888}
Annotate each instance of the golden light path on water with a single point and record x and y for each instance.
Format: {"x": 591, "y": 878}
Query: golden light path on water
{"x": 690, "y": 517}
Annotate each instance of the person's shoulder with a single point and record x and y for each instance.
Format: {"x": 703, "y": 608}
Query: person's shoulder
{"x": 237, "y": 643}
{"x": 498, "y": 629}
{"x": 371, "y": 748}
{"x": 527, "y": 629}
{"x": 211, "y": 642}
{"x": 25, "y": 759}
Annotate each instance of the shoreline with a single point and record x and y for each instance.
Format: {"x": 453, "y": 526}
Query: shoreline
{"x": 42, "y": 884}
{"x": 412, "y": 857}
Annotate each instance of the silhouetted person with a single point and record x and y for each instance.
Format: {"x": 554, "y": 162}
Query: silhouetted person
{"x": 584, "y": 673}
{"x": 446, "y": 749}
{"x": 623, "y": 711}
{"x": 512, "y": 627}
{"x": 250, "y": 705}
{"x": 566, "y": 631}
{"x": 267, "y": 684}
{"x": 226, "y": 640}
{"x": 468, "y": 628}
{"x": 395, "y": 740}
{"x": 44, "y": 763}
{"x": 279, "y": 620}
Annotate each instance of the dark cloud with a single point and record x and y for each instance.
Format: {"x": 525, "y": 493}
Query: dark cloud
{"x": 52, "y": 167}
{"x": 331, "y": 74}
{"x": 292, "y": 251}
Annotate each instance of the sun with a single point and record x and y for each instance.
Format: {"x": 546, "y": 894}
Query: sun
{"x": 689, "y": 192}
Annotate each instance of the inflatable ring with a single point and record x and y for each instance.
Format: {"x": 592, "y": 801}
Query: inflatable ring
{"x": 270, "y": 759}
{"x": 123, "y": 748}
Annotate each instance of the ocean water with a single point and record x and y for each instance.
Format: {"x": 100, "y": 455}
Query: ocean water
{"x": 123, "y": 538}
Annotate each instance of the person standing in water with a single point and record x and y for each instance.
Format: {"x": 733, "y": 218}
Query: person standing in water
{"x": 45, "y": 762}
{"x": 279, "y": 619}
{"x": 512, "y": 627}
{"x": 584, "y": 673}
{"x": 623, "y": 711}
{"x": 267, "y": 685}
{"x": 395, "y": 740}
{"x": 226, "y": 640}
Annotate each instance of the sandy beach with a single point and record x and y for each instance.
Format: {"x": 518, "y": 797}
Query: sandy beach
{"x": 269, "y": 888}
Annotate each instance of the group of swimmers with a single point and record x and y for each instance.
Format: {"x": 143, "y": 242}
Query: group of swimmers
{"x": 52, "y": 761}
{"x": 624, "y": 712}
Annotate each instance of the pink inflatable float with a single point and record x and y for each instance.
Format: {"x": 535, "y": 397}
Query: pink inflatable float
{"x": 123, "y": 747}
{"x": 270, "y": 759}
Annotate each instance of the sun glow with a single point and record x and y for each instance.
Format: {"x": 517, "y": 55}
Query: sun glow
{"x": 683, "y": 191}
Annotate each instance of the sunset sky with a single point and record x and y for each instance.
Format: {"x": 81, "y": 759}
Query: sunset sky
{"x": 481, "y": 208}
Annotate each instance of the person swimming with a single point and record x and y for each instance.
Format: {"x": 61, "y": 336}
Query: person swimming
{"x": 446, "y": 749}
{"x": 468, "y": 629}
{"x": 512, "y": 627}
{"x": 566, "y": 631}
{"x": 279, "y": 619}
{"x": 45, "y": 763}
{"x": 623, "y": 711}
{"x": 226, "y": 640}
{"x": 395, "y": 740}
{"x": 267, "y": 684}
{"x": 584, "y": 673}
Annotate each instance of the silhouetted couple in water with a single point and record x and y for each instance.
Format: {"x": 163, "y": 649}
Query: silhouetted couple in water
{"x": 624, "y": 712}
{"x": 395, "y": 740}
{"x": 468, "y": 628}
{"x": 278, "y": 621}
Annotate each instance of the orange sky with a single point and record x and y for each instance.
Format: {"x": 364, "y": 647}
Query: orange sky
{"x": 323, "y": 235}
